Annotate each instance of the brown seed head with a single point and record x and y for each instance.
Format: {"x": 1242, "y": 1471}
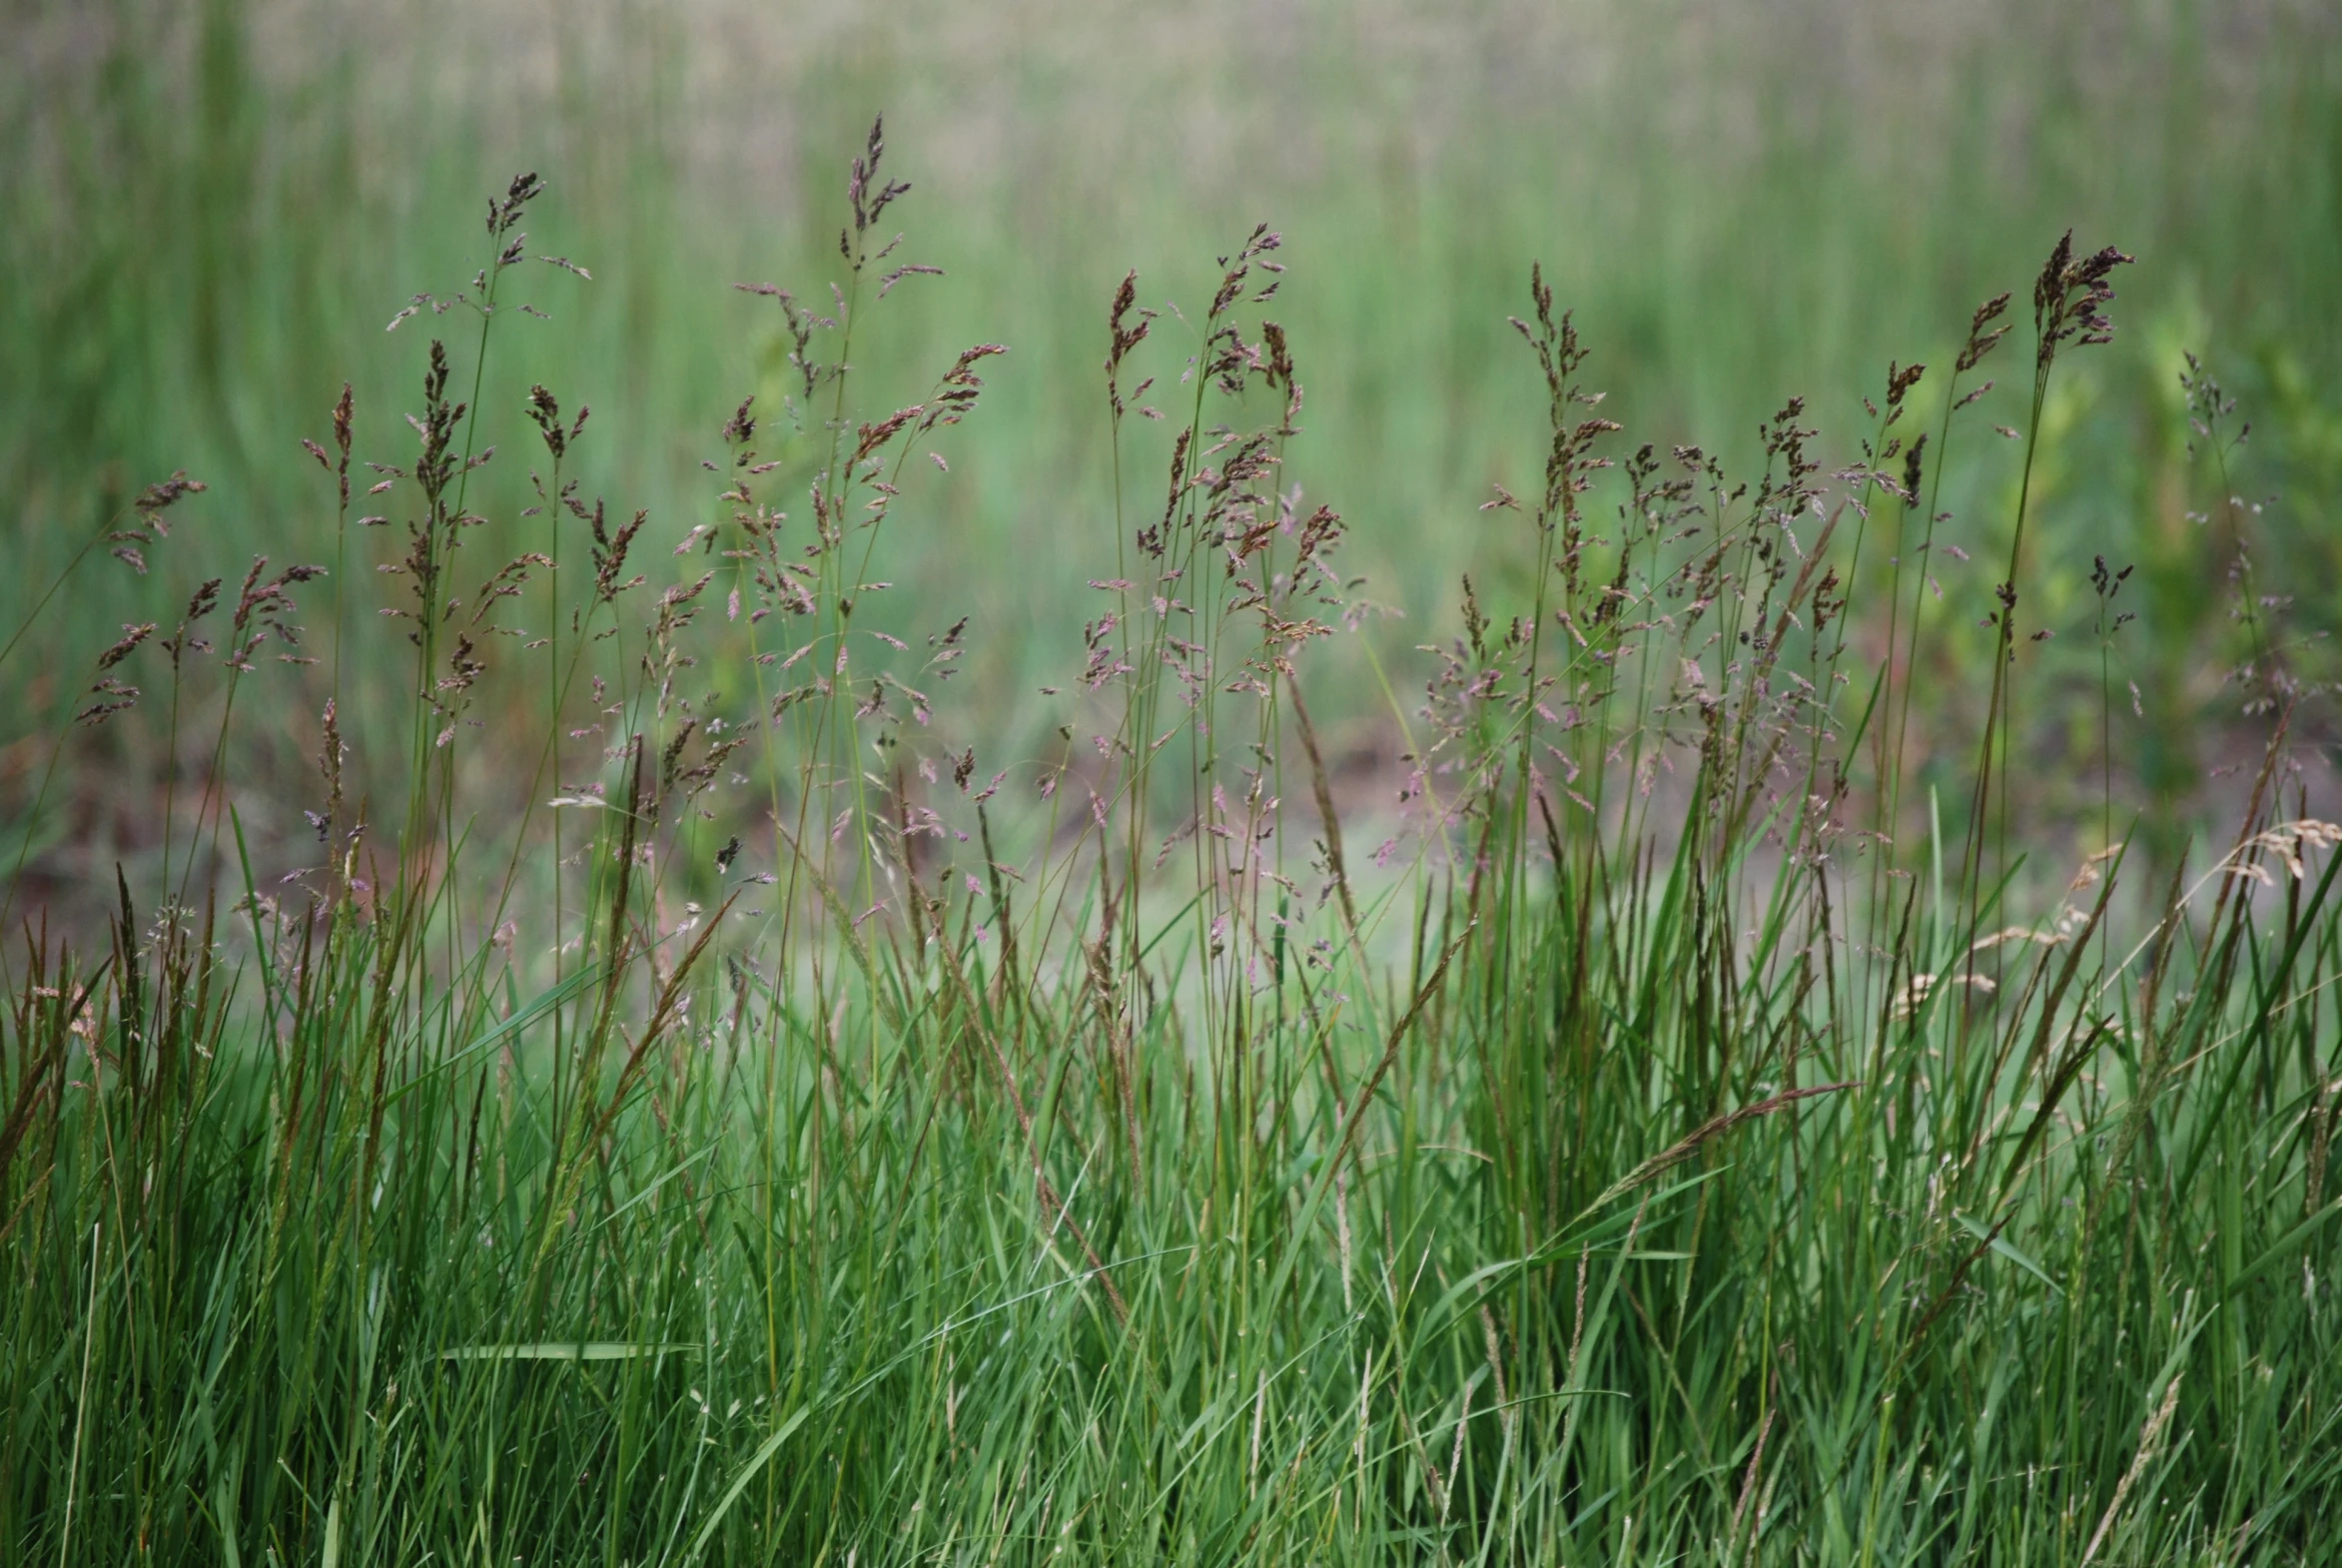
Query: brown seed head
{"x": 1984, "y": 331}
{"x": 2070, "y": 296}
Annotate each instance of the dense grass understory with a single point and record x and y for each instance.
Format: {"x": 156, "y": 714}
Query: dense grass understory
{"x": 1567, "y": 1272}
{"x": 1686, "y": 1139}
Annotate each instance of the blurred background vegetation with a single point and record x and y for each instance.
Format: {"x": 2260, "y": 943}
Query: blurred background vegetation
{"x": 212, "y": 208}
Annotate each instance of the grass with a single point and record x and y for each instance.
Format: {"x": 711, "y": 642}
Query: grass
{"x": 221, "y": 207}
{"x": 1720, "y": 1121}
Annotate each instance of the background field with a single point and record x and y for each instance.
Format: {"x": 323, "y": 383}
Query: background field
{"x": 214, "y": 209}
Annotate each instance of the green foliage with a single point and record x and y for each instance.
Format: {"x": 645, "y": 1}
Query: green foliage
{"x": 216, "y": 208}
{"x": 705, "y": 1086}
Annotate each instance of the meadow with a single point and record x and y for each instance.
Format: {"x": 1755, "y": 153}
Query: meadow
{"x": 901, "y": 842}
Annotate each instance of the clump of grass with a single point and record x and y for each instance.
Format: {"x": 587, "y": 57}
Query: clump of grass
{"x": 292, "y": 161}
{"x": 783, "y": 1154}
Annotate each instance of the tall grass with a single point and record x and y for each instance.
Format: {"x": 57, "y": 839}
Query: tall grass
{"x": 746, "y": 1111}
{"x": 214, "y": 208}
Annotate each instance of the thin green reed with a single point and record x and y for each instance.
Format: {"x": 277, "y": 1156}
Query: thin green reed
{"x": 2070, "y": 300}
{"x": 1984, "y": 331}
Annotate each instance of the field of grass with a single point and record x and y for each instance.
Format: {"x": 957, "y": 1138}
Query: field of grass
{"x": 1270, "y": 924}
{"x": 214, "y": 208}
